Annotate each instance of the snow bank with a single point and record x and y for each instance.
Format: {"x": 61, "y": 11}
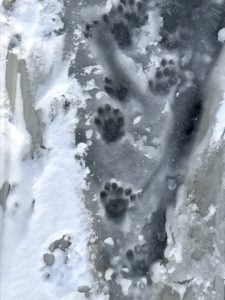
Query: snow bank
{"x": 45, "y": 202}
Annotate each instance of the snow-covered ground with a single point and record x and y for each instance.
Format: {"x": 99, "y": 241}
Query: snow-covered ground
{"x": 45, "y": 200}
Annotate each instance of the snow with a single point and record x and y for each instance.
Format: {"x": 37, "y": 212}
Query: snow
{"x": 137, "y": 120}
{"x": 46, "y": 196}
{"x": 108, "y": 274}
{"x": 219, "y": 127}
{"x": 125, "y": 284}
{"x": 109, "y": 241}
{"x": 221, "y": 35}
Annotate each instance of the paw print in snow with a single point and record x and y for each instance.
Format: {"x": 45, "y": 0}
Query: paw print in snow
{"x": 165, "y": 78}
{"x": 121, "y": 33}
{"x": 119, "y": 91}
{"x": 121, "y": 20}
{"x": 116, "y": 199}
{"x": 110, "y": 123}
{"x": 138, "y": 260}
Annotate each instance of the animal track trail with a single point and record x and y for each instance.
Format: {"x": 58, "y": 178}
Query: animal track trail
{"x": 113, "y": 159}
{"x": 136, "y": 220}
{"x": 115, "y": 162}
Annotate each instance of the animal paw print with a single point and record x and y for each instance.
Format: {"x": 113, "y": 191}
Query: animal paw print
{"x": 121, "y": 20}
{"x": 171, "y": 14}
{"x": 134, "y": 12}
{"x": 138, "y": 260}
{"x": 88, "y": 31}
{"x": 118, "y": 28}
{"x": 122, "y": 34}
{"x": 169, "y": 40}
{"x": 179, "y": 39}
{"x": 119, "y": 92}
{"x": 176, "y": 31}
{"x": 110, "y": 123}
{"x": 166, "y": 77}
{"x": 116, "y": 199}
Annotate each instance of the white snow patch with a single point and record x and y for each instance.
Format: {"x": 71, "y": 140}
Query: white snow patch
{"x": 125, "y": 284}
{"x": 45, "y": 200}
{"x": 221, "y": 35}
{"x": 212, "y": 210}
{"x": 108, "y": 274}
{"x": 109, "y": 241}
{"x": 219, "y": 127}
{"x": 137, "y": 120}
